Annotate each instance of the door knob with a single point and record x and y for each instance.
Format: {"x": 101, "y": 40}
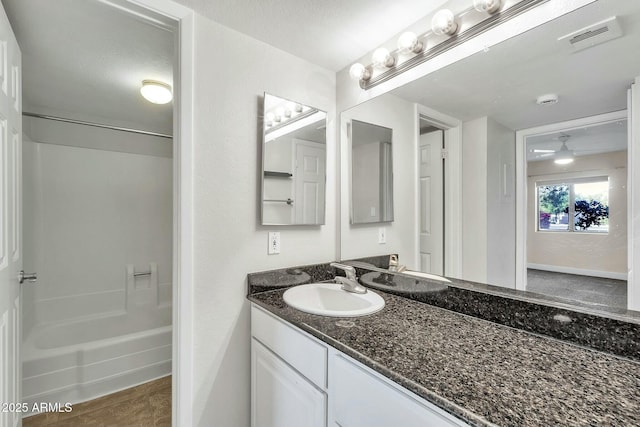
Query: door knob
{"x": 29, "y": 277}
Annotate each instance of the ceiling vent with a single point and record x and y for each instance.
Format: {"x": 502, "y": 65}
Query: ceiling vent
{"x": 594, "y": 34}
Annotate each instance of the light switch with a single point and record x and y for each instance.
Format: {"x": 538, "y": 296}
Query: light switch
{"x": 382, "y": 235}
{"x": 274, "y": 243}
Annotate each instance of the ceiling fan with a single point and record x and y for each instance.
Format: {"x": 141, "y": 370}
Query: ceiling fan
{"x": 562, "y": 156}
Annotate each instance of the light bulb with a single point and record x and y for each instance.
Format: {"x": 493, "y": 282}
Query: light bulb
{"x": 408, "y": 42}
{"x": 359, "y": 72}
{"x": 269, "y": 117}
{"x": 564, "y": 161}
{"x": 489, "y": 6}
{"x": 382, "y": 58}
{"x": 444, "y": 22}
{"x": 156, "y": 92}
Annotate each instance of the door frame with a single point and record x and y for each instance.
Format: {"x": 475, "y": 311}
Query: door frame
{"x": 521, "y": 182}
{"x": 452, "y": 128}
{"x": 183, "y": 206}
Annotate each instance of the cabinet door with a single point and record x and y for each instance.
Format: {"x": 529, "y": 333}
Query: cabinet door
{"x": 361, "y": 399}
{"x": 280, "y": 396}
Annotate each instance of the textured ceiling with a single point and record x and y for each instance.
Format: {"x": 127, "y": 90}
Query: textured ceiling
{"x": 86, "y": 60}
{"x": 504, "y": 82}
{"x": 329, "y": 33}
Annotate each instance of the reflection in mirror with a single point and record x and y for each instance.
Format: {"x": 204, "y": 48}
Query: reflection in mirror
{"x": 577, "y": 211}
{"x": 293, "y": 163}
{"x": 486, "y": 106}
{"x": 371, "y": 173}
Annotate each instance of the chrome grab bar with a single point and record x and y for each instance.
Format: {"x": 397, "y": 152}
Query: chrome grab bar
{"x": 288, "y": 201}
{"x": 144, "y": 273}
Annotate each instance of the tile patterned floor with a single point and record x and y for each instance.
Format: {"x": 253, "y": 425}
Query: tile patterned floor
{"x": 146, "y": 405}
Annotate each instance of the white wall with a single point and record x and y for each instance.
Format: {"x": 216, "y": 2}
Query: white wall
{"x": 362, "y": 239}
{"x": 88, "y": 214}
{"x": 231, "y": 73}
{"x": 488, "y": 202}
{"x": 501, "y": 205}
{"x": 278, "y": 157}
{"x": 365, "y": 180}
{"x": 589, "y": 253}
{"x": 474, "y": 200}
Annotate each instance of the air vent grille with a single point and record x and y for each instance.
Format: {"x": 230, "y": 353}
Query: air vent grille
{"x": 594, "y": 34}
{"x": 588, "y": 35}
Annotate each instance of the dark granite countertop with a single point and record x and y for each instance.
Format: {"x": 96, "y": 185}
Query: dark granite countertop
{"x": 484, "y": 373}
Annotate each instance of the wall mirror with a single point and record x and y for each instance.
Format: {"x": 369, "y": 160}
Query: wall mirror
{"x": 293, "y": 163}
{"x": 371, "y": 173}
{"x": 484, "y": 112}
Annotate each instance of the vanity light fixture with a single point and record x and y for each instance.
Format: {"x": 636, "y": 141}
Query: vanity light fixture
{"x": 382, "y": 58}
{"x": 156, "y": 92}
{"x": 408, "y": 43}
{"x": 444, "y": 22}
{"x": 359, "y": 72}
{"x": 489, "y": 6}
{"x": 448, "y": 31}
{"x": 268, "y": 119}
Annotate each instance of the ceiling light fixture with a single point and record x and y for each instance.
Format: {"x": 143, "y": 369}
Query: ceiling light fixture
{"x": 448, "y": 30}
{"x": 444, "y": 22}
{"x": 564, "y": 156}
{"x": 548, "y": 99}
{"x": 156, "y": 92}
{"x": 489, "y": 6}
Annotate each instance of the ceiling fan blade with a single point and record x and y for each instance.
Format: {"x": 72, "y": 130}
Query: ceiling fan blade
{"x": 540, "y": 150}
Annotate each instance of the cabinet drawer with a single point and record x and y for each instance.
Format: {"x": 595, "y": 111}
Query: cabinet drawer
{"x": 361, "y": 398}
{"x": 300, "y": 351}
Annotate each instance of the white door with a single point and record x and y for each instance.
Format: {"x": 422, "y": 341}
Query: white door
{"x": 431, "y": 203}
{"x": 309, "y": 180}
{"x": 10, "y": 222}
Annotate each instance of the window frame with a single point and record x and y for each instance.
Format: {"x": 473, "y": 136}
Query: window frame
{"x": 570, "y": 183}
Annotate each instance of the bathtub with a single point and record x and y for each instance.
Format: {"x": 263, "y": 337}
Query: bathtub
{"x": 80, "y": 360}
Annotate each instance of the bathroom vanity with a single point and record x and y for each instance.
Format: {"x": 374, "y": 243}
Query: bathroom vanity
{"x": 415, "y": 364}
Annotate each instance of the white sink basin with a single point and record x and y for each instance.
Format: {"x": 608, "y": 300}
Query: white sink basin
{"x": 425, "y": 275}
{"x": 328, "y": 299}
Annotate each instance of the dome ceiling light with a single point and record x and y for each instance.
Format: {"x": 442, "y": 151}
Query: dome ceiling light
{"x": 156, "y": 92}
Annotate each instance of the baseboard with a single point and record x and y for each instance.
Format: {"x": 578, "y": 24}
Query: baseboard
{"x": 578, "y": 271}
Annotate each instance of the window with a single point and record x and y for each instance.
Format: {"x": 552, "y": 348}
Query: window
{"x": 577, "y": 205}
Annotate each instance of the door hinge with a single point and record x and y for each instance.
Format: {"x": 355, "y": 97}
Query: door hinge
{"x": 444, "y": 154}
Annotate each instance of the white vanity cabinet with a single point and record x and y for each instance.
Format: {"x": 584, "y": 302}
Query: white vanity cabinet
{"x": 298, "y": 381}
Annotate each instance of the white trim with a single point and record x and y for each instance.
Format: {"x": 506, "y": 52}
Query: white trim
{"x": 633, "y": 195}
{"x": 452, "y": 188}
{"x": 521, "y": 180}
{"x": 182, "y": 379}
{"x": 578, "y": 271}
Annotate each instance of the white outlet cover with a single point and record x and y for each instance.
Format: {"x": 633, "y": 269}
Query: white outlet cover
{"x": 274, "y": 243}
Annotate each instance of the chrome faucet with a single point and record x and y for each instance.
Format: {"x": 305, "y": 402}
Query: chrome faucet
{"x": 349, "y": 283}
{"x": 394, "y": 267}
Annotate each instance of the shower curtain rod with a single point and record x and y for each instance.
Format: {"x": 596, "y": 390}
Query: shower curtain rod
{"x": 97, "y": 125}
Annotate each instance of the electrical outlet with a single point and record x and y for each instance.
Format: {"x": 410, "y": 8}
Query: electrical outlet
{"x": 382, "y": 235}
{"x": 274, "y": 243}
